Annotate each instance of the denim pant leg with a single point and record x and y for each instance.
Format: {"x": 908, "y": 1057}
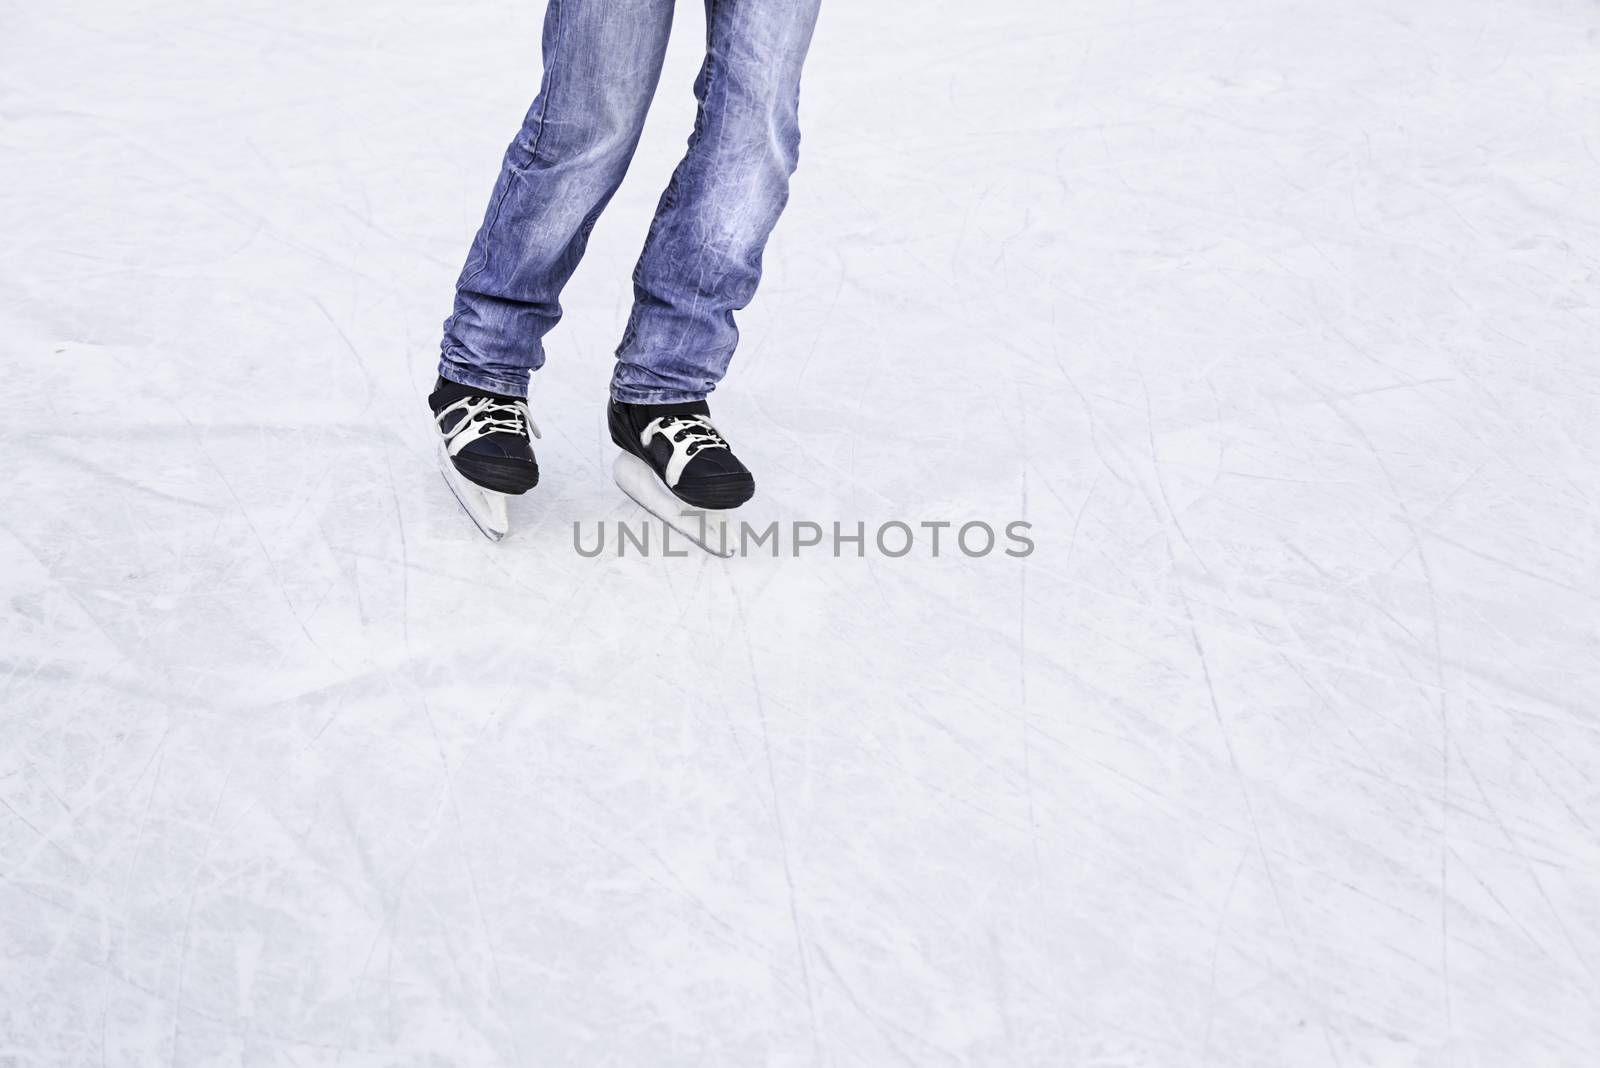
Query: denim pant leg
{"x": 702, "y": 259}
{"x": 602, "y": 60}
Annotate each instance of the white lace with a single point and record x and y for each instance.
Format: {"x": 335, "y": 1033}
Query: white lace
{"x": 689, "y": 435}
{"x": 485, "y": 415}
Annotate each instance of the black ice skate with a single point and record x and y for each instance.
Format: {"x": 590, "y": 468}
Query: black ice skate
{"x": 676, "y": 464}
{"x": 484, "y": 450}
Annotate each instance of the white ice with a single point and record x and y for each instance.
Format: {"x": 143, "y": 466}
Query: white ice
{"x": 1277, "y": 320}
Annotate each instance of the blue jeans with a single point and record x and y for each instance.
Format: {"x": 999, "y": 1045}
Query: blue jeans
{"x": 702, "y": 258}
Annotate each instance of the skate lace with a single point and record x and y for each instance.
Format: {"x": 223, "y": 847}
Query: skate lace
{"x": 693, "y": 433}
{"x": 489, "y": 415}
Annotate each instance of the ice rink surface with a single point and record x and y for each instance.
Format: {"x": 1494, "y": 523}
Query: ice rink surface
{"x": 1278, "y": 321}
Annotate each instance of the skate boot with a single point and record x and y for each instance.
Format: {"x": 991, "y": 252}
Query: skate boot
{"x": 484, "y": 450}
{"x": 676, "y": 464}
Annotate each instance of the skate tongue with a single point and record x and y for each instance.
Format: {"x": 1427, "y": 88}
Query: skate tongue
{"x": 653, "y": 411}
{"x": 446, "y": 392}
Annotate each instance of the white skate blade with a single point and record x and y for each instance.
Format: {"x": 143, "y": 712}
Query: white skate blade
{"x": 484, "y": 507}
{"x": 706, "y": 527}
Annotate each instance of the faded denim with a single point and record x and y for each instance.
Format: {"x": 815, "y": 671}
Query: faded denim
{"x": 702, "y": 257}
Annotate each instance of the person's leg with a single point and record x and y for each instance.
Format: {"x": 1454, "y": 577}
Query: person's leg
{"x": 702, "y": 259}
{"x": 602, "y": 60}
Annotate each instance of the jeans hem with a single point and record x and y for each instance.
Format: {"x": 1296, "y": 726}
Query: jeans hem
{"x": 630, "y": 395}
{"x": 466, "y": 376}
